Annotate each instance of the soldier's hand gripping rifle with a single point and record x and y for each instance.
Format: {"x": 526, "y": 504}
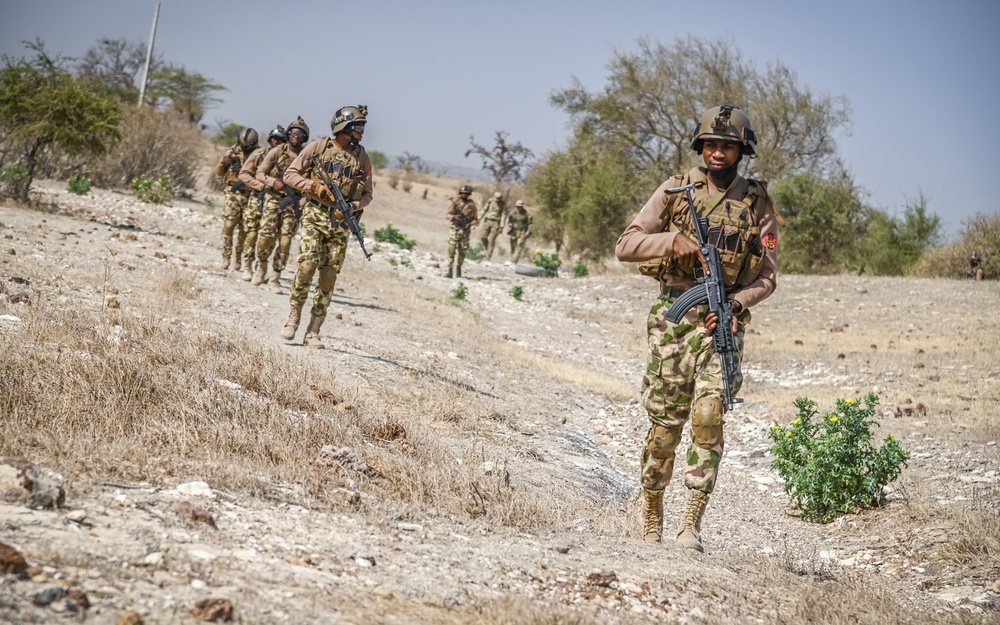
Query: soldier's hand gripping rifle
{"x": 458, "y": 217}
{"x": 291, "y": 196}
{"x": 711, "y": 289}
{"x": 344, "y": 208}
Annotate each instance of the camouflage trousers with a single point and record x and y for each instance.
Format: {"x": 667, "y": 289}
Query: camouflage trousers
{"x": 491, "y": 229}
{"x": 272, "y": 225}
{"x": 232, "y": 222}
{"x": 518, "y": 242}
{"x": 322, "y": 248}
{"x": 251, "y": 226}
{"x": 458, "y": 243}
{"x": 683, "y": 368}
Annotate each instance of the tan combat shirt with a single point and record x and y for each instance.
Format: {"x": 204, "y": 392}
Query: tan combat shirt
{"x": 249, "y": 170}
{"x": 646, "y": 238}
{"x": 303, "y": 162}
{"x": 270, "y": 160}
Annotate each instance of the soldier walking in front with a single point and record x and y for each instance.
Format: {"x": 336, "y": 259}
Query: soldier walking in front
{"x": 324, "y": 234}
{"x": 684, "y": 378}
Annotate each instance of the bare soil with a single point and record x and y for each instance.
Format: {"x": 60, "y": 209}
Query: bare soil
{"x": 541, "y": 391}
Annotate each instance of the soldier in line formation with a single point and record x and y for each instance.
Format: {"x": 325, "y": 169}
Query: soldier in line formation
{"x": 494, "y": 212}
{"x": 519, "y": 229}
{"x": 288, "y": 190}
{"x": 463, "y": 215}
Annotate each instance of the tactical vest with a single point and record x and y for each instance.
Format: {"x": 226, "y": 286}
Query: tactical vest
{"x": 283, "y": 159}
{"x": 519, "y": 222}
{"x": 462, "y": 207}
{"x": 232, "y": 176}
{"x": 343, "y": 167}
{"x": 733, "y": 228}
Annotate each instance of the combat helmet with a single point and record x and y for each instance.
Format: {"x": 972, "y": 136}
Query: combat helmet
{"x": 248, "y": 139}
{"x": 465, "y": 189}
{"x": 301, "y": 125}
{"x": 348, "y": 115}
{"x": 497, "y": 195}
{"x": 729, "y": 124}
{"x": 278, "y": 133}
{"x": 519, "y": 204}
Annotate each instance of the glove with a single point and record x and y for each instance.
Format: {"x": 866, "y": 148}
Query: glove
{"x": 320, "y": 191}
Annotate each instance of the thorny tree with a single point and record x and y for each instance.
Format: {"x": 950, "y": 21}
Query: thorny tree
{"x": 504, "y": 160}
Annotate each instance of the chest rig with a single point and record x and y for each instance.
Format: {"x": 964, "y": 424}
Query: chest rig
{"x": 733, "y": 228}
{"x": 343, "y": 166}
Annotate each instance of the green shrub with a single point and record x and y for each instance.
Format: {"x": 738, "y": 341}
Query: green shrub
{"x": 829, "y": 465}
{"x": 517, "y": 292}
{"x": 460, "y": 291}
{"x": 13, "y": 177}
{"x": 390, "y": 234}
{"x": 80, "y": 185}
{"x": 549, "y": 262}
{"x": 476, "y": 251}
{"x": 153, "y": 190}
{"x": 580, "y": 269}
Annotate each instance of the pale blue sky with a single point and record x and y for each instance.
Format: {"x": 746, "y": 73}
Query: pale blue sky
{"x": 922, "y": 77}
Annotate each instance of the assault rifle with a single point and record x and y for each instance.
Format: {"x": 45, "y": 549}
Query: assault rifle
{"x": 291, "y": 195}
{"x": 711, "y": 289}
{"x": 345, "y": 209}
{"x": 458, "y": 217}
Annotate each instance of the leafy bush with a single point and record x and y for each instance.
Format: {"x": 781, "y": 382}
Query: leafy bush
{"x": 475, "y": 252}
{"x": 549, "y": 262}
{"x": 580, "y": 269}
{"x": 153, "y": 190}
{"x": 80, "y": 185}
{"x": 13, "y": 177}
{"x": 830, "y": 466}
{"x": 517, "y": 292}
{"x": 460, "y": 291}
{"x": 390, "y": 234}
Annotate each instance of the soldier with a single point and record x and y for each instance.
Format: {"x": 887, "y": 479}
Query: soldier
{"x": 282, "y": 207}
{"x": 493, "y": 213}
{"x": 683, "y": 376}
{"x": 237, "y": 195}
{"x": 251, "y": 216}
{"x": 975, "y": 272}
{"x": 463, "y": 216}
{"x": 324, "y": 243}
{"x": 519, "y": 228}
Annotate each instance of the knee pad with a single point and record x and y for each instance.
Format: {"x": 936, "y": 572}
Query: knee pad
{"x": 661, "y": 442}
{"x": 706, "y": 422}
{"x": 327, "y": 279}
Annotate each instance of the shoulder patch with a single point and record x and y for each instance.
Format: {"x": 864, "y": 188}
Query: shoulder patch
{"x": 770, "y": 240}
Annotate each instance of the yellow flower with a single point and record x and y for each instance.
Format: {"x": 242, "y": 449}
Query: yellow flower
{"x": 788, "y": 434}
{"x": 797, "y": 421}
{"x": 834, "y": 419}
{"x": 851, "y": 402}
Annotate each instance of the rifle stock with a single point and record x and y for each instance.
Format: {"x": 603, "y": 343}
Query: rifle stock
{"x": 711, "y": 290}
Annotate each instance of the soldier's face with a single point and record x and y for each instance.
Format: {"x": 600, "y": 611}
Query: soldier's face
{"x": 720, "y": 156}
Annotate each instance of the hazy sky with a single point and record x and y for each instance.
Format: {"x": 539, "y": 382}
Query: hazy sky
{"x": 923, "y": 78}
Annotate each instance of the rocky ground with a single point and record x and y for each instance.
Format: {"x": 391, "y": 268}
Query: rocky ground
{"x": 927, "y": 347}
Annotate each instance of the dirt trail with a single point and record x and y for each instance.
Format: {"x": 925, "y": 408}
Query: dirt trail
{"x": 535, "y": 364}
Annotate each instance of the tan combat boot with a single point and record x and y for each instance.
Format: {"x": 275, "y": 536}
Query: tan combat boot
{"x": 689, "y": 533}
{"x": 259, "y": 275}
{"x": 448, "y": 275}
{"x": 652, "y": 515}
{"x": 458, "y": 271}
{"x": 292, "y": 324}
{"x": 312, "y": 334}
{"x": 274, "y": 284}
{"x": 248, "y": 273}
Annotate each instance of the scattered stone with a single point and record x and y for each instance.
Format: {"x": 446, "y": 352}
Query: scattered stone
{"x": 191, "y": 512}
{"x": 77, "y": 601}
{"x": 200, "y": 489}
{"x": 343, "y": 457}
{"x": 45, "y": 487}
{"x": 44, "y": 598}
{"x": 213, "y": 610}
{"x": 130, "y": 618}
{"x": 11, "y": 561}
{"x": 602, "y": 578}
{"x": 76, "y": 516}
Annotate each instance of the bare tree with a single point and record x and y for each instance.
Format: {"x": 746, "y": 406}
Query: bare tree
{"x": 504, "y": 160}
{"x": 115, "y": 65}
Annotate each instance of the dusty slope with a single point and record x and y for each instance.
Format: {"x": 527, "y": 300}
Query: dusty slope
{"x": 926, "y": 346}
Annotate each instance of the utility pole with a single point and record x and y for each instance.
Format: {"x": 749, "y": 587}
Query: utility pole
{"x": 149, "y": 55}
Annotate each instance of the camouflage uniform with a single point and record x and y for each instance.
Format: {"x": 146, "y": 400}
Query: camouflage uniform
{"x": 493, "y": 214}
{"x": 683, "y": 378}
{"x": 252, "y": 210}
{"x": 324, "y": 245}
{"x": 279, "y": 224}
{"x": 237, "y": 198}
{"x": 463, "y": 215}
{"x": 519, "y": 228}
